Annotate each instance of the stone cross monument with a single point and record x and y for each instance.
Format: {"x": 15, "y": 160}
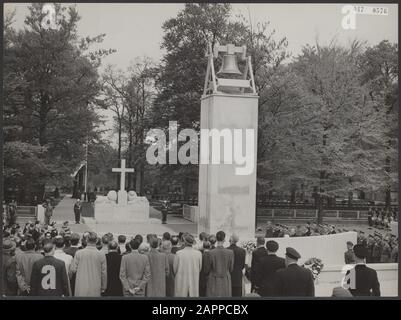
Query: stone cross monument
{"x": 122, "y": 194}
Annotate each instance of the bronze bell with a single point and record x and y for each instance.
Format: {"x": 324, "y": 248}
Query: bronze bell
{"x": 229, "y": 65}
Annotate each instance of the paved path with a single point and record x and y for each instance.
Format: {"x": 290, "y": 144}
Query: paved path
{"x": 64, "y": 211}
{"x": 175, "y": 224}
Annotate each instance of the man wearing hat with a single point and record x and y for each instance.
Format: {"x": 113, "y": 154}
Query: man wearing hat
{"x": 366, "y": 281}
{"x": 269, "y": 264}
{"x": 187, "y": 266}
{"x": 10, "y": 284}
{"x": 294, "y": 280}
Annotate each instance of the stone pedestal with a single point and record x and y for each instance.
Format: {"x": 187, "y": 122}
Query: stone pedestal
{"x": 227, "y": 201}
{"x": 133, "y": 211}
{"x": 40, "y": 213}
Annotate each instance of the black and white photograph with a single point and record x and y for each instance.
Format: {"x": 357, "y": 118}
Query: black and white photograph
{"x": 246, "y": 151}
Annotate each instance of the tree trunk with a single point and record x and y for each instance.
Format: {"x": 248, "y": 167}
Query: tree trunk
{"x": 292, "y": 199}
{"x": 388, "y": 189}
{"x": 320, "y": 210}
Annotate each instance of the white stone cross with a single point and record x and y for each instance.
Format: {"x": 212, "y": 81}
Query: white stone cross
{"x": 122, "y": 170}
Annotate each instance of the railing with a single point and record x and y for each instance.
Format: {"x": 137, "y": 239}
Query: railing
{"x": 191, "y": 201}
{"x": 290, "y": 213}
{"x": 312, "y": 206}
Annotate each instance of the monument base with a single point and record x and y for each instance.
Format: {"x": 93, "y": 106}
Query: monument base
{"x": 114, "y": 213}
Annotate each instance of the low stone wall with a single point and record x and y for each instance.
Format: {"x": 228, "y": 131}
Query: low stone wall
{"x": 190, "y": 213}
{"x": 331, "y": 277}
{"x": 329, "y": 248}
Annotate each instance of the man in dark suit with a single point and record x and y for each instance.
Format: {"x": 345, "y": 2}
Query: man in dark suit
{"x": 257, "y": 255}
{"x": 294, "y": 280}
{"x": 366, "y": 281}
{"x": 239, "y": 264}
{"x": 113, "y": 259}
{"x": 49, "y": 275}
{"x": 268, "y": 267}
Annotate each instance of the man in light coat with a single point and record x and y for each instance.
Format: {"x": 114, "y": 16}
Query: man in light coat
{"x": 90, "y": 267}
{"x": 187, "y": 266}
{"x": 134, "y": 271}
{"x": 25, "y": 262}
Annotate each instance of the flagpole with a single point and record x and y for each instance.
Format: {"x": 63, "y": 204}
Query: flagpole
{"x": 86, "y": 171}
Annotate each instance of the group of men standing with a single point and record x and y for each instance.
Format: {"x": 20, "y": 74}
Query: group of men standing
{"x": 275, "y": 276}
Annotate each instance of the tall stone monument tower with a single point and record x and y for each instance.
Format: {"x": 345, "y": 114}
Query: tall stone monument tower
{"x": 227, "y": 199}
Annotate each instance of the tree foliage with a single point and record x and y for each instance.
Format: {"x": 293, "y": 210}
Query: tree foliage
{"x": 50, "y": 85}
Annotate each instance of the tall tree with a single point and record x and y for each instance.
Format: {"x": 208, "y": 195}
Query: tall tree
{"x": 346, "y": 137}
{"x": 379, "y": 65}
{"x": 50, "y": 103}
{"x": 181, "y": 75}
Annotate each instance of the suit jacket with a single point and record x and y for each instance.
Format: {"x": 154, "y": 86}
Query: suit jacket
{"x": 257, "y": 255}
{"x": 366, "y": 282}
{"x": 134, "y": 272}
{"x": 268, "y": 267}
{"x": 174, "y": 250}
{"x": 159, "y": 269}
{"x": 294, "y": 281}
{"x": 114, "y": 286}
{"x": 239, "y": 264}
{"x": 71, "y": 250}
{"x": 49, "y": 278}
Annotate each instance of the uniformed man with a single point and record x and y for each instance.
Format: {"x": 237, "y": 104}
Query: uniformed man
{"x": 349, "y": 256}
{"x": 164, "y": 210}
{"x": 369, "y": 247}
{"x": 394, "y": 249}
{"x": 294, "y": 280}
{"x": 370, "y": 216}
{"x": 77, "y": 211}
{"x": 362, "y": 238}
{"x": 376, "y": 249}
{"x": 385, "y": 252}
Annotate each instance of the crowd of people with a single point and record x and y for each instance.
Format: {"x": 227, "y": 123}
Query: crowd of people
{"x": 41, "y": 260}
{"x": 380, "y": 218}
{"x": 380, "y": 248}
{"x": 279, "y": 230}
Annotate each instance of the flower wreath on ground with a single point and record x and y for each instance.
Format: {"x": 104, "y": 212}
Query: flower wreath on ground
{"x": 315, "y": 265}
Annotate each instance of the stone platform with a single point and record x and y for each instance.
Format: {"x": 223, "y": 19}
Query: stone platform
{"x": 114, "y": 213}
